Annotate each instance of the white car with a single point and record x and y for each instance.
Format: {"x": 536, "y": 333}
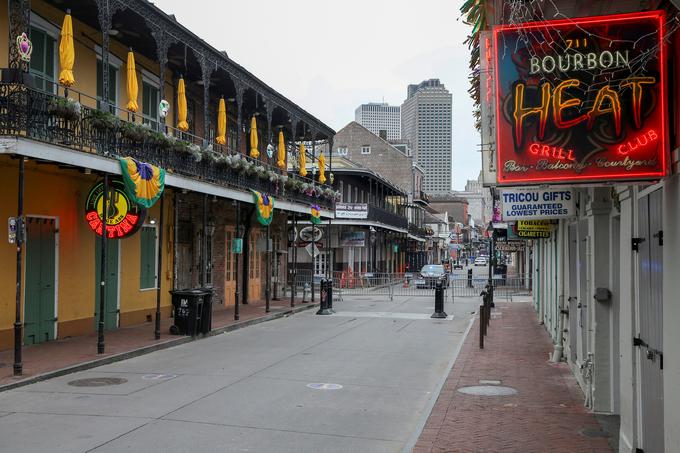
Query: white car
{"x": 480, "y": 261}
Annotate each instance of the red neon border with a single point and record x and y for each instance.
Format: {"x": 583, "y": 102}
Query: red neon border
{"x": 658, "y": 15}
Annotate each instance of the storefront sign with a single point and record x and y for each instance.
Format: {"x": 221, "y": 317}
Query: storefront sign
{"x": 533, "y": 234}
{"x": 124, "y": 218}
{"x": 537, "y": 204}
{"x": 309, "y": 234}
{"x": 534, "y": 225}
{"x": 353, "y": 239}
{"x": 511, "y": 246}
{"x": 581, "y": 99}
{"x": 237, "y": 246}
{"x": 351, "y": 211}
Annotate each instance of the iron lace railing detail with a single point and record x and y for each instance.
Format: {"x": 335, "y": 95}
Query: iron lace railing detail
{"x": 46, "y": 117}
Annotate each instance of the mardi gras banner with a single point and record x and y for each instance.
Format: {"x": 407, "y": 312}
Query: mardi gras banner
{"x": 144, "y": 183}
{"x": 316, "y": 214}
{"x": 264, "y": 207}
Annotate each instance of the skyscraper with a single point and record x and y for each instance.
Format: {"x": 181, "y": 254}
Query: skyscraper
{"x": 426, "y": 123}
{"x": 380, "y": 116}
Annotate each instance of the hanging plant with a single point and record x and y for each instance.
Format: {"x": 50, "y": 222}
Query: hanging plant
{"x": 134, "y": 132}
{"x": 195, "y": 151}
{"x": 317, "y": 191}
{"x": 101, "y": 120}
{"x": 67, "y": 109}
{"x": 261, "y": 172}
{"x": 338, "y": 196}
{"x": 273, "y": 176}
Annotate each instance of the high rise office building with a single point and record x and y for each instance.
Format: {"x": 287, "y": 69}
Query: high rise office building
{"x": 426, "y": 124}
{"x": 378, "y": 117}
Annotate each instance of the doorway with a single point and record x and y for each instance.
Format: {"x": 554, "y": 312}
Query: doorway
{"x": 40, "y": 310}
{"x": 650, "y": 325}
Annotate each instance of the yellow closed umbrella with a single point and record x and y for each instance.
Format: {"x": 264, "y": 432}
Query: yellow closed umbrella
{"x": 221, "y": 138}
{"x": 132, "y": 88}
{"x": 321, "y": 163}
{"x": 182, "y": 124}
{"x": 303, "y": 160}
{"x": 67, "y": 54}
{"x": 254, "y": 153}
{"x": 281, "y": 162}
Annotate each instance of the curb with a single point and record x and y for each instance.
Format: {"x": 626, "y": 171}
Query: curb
{"x": 154, "y": 347}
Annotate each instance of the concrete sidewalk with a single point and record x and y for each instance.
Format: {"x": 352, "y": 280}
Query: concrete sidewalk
{"x": 55, "y": 358}
{"x": 545, "y": 415}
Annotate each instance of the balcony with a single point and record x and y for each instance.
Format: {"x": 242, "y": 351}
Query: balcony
{"x": 45, "y": 117}
{"x": 386, "y": 217}
{"x": 422, "y": 232}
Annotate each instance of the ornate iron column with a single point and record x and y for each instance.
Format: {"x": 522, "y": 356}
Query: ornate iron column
{"x": 105, "y": 14}
{"x": 330, "y": 262}
{"x": 19, "y": 14}
{"x": 313, "y": 225}
{"x": 18, "y": 327}
{"x": 207, "y": 67}
{"x": 162, "y": 45}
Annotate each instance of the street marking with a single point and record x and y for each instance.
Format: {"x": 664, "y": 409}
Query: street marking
{"x": 158, "y": 377}
{"x": 324, "y": 386}
{"x": 385, "y": 315}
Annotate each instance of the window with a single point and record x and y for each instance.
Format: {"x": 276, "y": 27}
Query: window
{"x": 365, "y": 149}
{"x": 150, "y": 104}
{"x": 147, "y": 270}
{"x": 342, "y": 151}
{"x": 42, "y": 59}
{"x": 113, "y": 85}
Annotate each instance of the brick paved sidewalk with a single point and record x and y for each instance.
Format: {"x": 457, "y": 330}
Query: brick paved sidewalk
{"x": 547, "y": 413}
{"x": 56, "y": 355}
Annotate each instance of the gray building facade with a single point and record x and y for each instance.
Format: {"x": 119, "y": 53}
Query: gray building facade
{"x": 426, "y": 123}
{"x": 378, "y": 117}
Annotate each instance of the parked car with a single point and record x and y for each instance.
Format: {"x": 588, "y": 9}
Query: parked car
{"x": 429, "y": 275}
{"x": 481, "y": 261}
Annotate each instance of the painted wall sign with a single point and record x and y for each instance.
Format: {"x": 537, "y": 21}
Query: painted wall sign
{"x": 528, "y": 204}
{"x": 124, "y": 217}
{"x": 581, "y": 100}
{"x": 351, "y": 211}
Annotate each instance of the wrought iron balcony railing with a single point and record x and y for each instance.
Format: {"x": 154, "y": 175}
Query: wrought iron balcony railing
{"x": 46, "y": 117}
{"x": 419, "y": 231}
{"x": 382, "y": 215}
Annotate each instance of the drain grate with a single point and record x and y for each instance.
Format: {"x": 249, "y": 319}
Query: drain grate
{"x": 97, "y": 382}
{"x": 488, "y": 390}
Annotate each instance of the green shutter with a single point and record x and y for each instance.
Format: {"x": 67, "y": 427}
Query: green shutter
{"x": 147, "y": 271}
{"x": 113, "y": 74}
{"x": 42, "y": 58}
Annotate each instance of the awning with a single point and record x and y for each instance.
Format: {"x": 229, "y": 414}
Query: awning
{"x": 415, "y": 238}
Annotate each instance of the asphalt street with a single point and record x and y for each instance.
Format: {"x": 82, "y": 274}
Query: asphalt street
{"x": 362, "y": 380}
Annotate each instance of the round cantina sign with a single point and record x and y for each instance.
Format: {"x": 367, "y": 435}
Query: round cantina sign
{"x": 581, "y": 99}
{"x": 124, "y": 218}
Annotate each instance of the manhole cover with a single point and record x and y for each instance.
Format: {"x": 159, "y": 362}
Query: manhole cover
{"x": 324, "y": 386}
{"x": 593, "y": 433}
{"x": 97, "y": 382}
{"x": 488, "y": 390}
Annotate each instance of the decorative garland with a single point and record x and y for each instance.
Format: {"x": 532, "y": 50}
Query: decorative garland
{"x": 144, "y": 183}
{"x": 264, "y": 207}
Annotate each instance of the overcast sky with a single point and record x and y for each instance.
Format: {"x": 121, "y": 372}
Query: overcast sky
{"x": 330, "y": 56}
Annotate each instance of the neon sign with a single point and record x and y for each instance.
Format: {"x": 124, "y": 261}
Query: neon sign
{"x": 124, "y": 218}
{"x": 581, "y": 100}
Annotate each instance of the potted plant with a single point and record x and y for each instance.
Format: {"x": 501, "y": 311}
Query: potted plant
{"x": 101, "y": 120}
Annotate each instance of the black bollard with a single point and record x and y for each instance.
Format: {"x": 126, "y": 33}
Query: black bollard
{"x": 469, "y": 278}
{"x": 439, "y": 300}
{"x": 481, "y": 326}
{"x": 326, "y": 292}
{"x": 329, "y": 297}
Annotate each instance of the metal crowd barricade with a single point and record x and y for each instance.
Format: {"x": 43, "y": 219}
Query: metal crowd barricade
{"x": 389, "y": 285}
